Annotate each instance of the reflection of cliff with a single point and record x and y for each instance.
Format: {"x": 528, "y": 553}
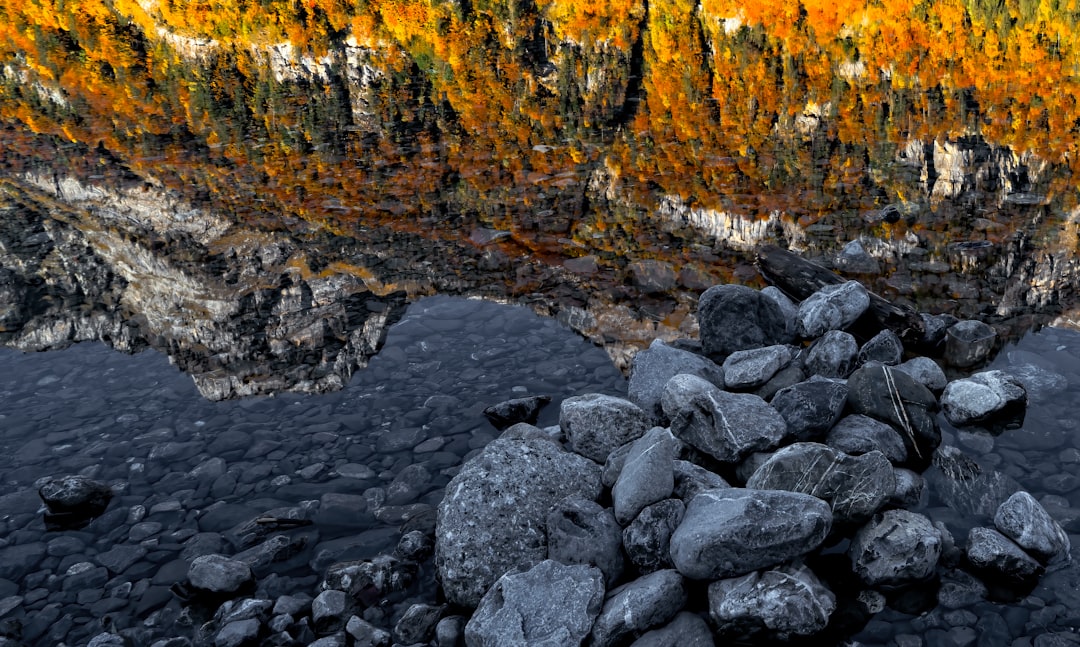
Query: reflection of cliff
{"x": 136, "y": 269}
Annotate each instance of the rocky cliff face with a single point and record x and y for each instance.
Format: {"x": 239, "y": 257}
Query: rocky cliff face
{"x": 136, "y": 269}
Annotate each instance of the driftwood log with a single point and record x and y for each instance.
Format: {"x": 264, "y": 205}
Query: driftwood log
{"x": 799, "y": 278}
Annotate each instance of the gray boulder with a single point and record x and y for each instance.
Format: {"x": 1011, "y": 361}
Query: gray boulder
{"x": 731, "y": 532}
{"x": 994, "y": 554}
{"x": 747, "y": 369}
{"x": 778, "y": 604}
{"x": 892, "y": 396}
{"x": 884, "y": 348}
{"x": 653, "y": 367}
{"x": 647, "y": 539}
{"x": 735, "y": 317}
{"x": 1023, "y": 519}
{"x": 992, "y": 398}
{"x": 550, "y": 605}
{"x": 493, "y": 516}
{"x": 855, "y": 486}
{"x": 834, "y": 354}
{"x": 811, "y": 408}
{"x": 595, "y": 424}
{"x": 895, "y": 547}
{"x": 787, "y": 306}
{"x": 647, "y": 476}
{"x": 858, "y": 434}
{"x": 833, "y": 307}
{"x": 647, "y": 602}
{"x": 219, "y": 574}
{"x": 925, "y": 371}
{"x": 685, "y": 630}
{"x": 726, "y": 426}
{"x": 581, "y": 531}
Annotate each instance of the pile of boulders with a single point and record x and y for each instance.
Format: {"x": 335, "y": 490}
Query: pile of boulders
{"x": 699, "y": 506}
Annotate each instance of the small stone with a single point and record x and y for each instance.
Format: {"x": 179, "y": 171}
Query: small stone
{"x": 858, "y": 434}
{"x": 417, "y": 624}
{"x": 884, "y": 348}
{"x": 647, "y": 540}
{"x": 968, "y": 343}
{"x": 510, "y": 412}
{"x": 647, "y": 476}
{"x": 366, "y": 633}
{"x": 811, "y": 408}
{"x": 747, "y": 369}
{"x": 331, "y": 610}
{"x": 653, "y": 367}
{"x": 580, "y": 531}
{"x": 925, "y": 371}
{"x": 993, "y": 399}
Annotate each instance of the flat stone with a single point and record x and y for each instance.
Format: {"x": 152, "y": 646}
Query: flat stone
{"x": 219, "y": 574}
{"x": 549, "y": 604}
{"x": 747, "y": 369}
{"x": 726, "y": 426}
{"x": 731, "y": 532}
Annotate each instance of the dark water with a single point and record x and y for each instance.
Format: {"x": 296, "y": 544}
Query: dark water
{"x": 139, "y": 424}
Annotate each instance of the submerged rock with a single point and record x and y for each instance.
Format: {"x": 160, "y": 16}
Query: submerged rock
{"x": 510, "y": 412}
{"x": 992, "y": 399}
{"x": 1023, "y": 519}
{"x": 74, "y": 500}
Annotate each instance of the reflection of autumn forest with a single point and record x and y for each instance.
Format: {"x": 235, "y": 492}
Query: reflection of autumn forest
{"x": 558, "y": 119}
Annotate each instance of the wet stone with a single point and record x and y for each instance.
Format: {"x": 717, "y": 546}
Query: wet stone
{"x": 219, "y": 574}
{"x": 884, "y": 347}
{"x": 1022, "y": 519}
{"x": 993, "y": 553}
{"x": 648, "y": 474}
{"x": 893, "y": 396}
{"x": 417, "y": 624}
{"x": 896, "y": 546}
{"x": 968, "y": 343}
{"x": 685, "y": 630}
{"x": 992, "y": 398}
{"x": 858, "y": 434}
{"x": 833, "y": 307}
{"x": 925, "y": 371}
{"x": 511, "y": 412}
{"x": 121, "y": 557}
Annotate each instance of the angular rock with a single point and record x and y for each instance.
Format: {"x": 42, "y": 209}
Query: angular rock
{"x": 367, "y": 634}
{"x": 858, "y": 434}
{"x": 834, "y": 354}
{"x": 992, "y": 399}
{"x": 731, "y": 532}
{"x": 779, "y": 604}
{"x": 994, "y": 554}
{"x": 647, "y": 476}
{"x": 833, "y": 307}
{"x": 685, "y": 630}
{"x": 493, "y": 516}
{"x": 811, "y": 408}
{"x": 968, "y": 343}
{"x": 925, "y": 371}
{"x": 595, "y": 424}
{"x": 726, "y": 426}
{"x": 219, "y": 574}
{"x": 510, "y": 412}
{"x": 581, "y": 531}
{"x": 331, "y": 610}
{"x": 73, "y": 500}
{"x": 653, "y": 367}
{"x": 884, "y": 348}
{"x": 892, "y": 396}
{"x": 895, "y": 547}
{"x": 855, "y": 486}
{"x": 909, "y": 488}
{"x": 1023, "y": 519}
{"x": 735, "y": 317}
{"x": 647, "y": 539}
{"x": 790, "y": 375}
{"x": 691, "y": 479}
{"x": 417, "y": 624}
{"x": 747, "y": 369}
{"x": 636, "y": 606}
{"x": 549, "y": 604}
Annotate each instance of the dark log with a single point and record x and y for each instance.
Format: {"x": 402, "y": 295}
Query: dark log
{"x": 799, "y": 278}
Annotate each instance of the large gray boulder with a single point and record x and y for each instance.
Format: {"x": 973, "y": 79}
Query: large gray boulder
{"x": 778, "y": 604}
{"x": 549, "y": 605}
{"x": 1023, "y": 519}
{"x": 991, "y": 398}
{"x": 647, "y": 602}
{"x": 647, "y": 476}
{"x": 855, "y": 486}
{"x": 833, "y": 307}
{"x": 494, "y": 515}
{"x": 735, "y": 317}
{"x": 731, "y": 532}
{"x": 595, "y": 424}
{"x": 895, "y": 547}
{"x": 726, "y": 426}
{"x": 653, "y": 367}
